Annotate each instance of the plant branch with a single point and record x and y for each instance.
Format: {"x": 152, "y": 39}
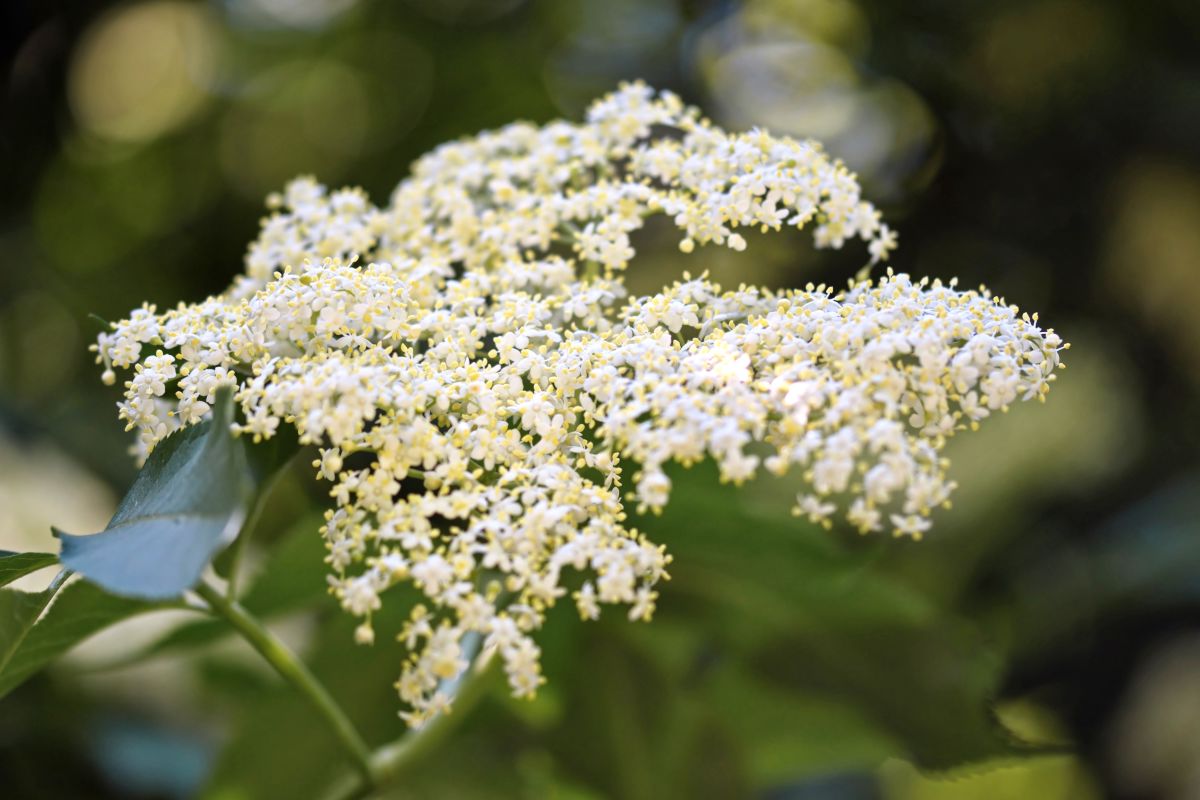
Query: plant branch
{"x": 240, "y": 544}
{"x": 392, "y": 760}
{"x": 293, "y": 670}
{"x": 257, "y": 503}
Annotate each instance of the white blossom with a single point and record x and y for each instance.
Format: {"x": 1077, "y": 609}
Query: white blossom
{"x": 475, "y": 338}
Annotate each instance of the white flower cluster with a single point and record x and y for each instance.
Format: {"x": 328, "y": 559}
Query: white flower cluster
{"x": 472, "y": 372}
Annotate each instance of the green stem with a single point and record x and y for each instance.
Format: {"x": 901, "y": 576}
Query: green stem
{"x": 257, "y": 503}
{"x": 392, "y": 760}
{"x": 240, "y": 544}
{"x": 293, "y": 670}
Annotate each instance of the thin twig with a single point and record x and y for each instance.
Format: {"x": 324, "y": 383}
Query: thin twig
{"x": 293, "y": 670}
{"x": 392, "y": 760}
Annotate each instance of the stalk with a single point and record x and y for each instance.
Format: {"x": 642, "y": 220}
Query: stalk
{"x": 393, "y": 760}
{"x": 293, "y": 670}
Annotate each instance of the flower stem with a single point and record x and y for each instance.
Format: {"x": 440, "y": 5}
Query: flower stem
{"x": 293, "y": 670}
{"x": 239, "y": 545}
{"x": 392, "y": 760}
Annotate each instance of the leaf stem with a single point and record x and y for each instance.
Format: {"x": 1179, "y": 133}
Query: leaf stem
{"x": 257, "y": 503}
{"x": 392, "y": 760}
{"x": 240, "y": 544}
{"x": 293, "y": 670}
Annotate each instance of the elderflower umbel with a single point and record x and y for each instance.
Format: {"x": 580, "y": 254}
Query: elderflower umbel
{"x": 474, "y": 338}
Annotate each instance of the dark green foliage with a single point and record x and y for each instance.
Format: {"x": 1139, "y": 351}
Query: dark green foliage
{"x": 78, "y": 610}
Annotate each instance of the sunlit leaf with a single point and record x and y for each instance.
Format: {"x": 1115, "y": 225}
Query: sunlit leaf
{"x": 188, "y": 502}
{"x": 292, "y": 578}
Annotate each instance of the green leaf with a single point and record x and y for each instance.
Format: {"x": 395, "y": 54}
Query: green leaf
{"x": 18, "y": 565}
{"x": 293, "y": 578}
{"x": 266, "y": 460}
{"x": 19, "y": 611}
{"x": 188, "y": 502}
{"x": 816, "y": 614}
{"x": 31, "y": 636}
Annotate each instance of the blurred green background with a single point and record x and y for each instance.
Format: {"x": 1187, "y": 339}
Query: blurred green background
{"x": 1050, "y": 148}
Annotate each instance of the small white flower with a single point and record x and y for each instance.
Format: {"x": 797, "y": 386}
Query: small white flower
{"x": 472, "y": 341}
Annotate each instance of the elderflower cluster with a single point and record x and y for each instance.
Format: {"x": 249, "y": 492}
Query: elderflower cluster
{"x": 472, "y": 373}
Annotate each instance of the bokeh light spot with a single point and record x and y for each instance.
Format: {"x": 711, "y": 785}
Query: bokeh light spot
{"x": 286, "y": 13}
{"x": 791, "y": 68}
{"x": 1153, "y": 252}
{"x": 143, "y": 70}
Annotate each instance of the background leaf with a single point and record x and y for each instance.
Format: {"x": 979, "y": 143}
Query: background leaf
{"x": 780, "y": 653}
{"x": 817, "y": 614}
{"x": 19, "y": 611}
{"x": 18, "y": 565}
{"x": 29, "y": 640}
